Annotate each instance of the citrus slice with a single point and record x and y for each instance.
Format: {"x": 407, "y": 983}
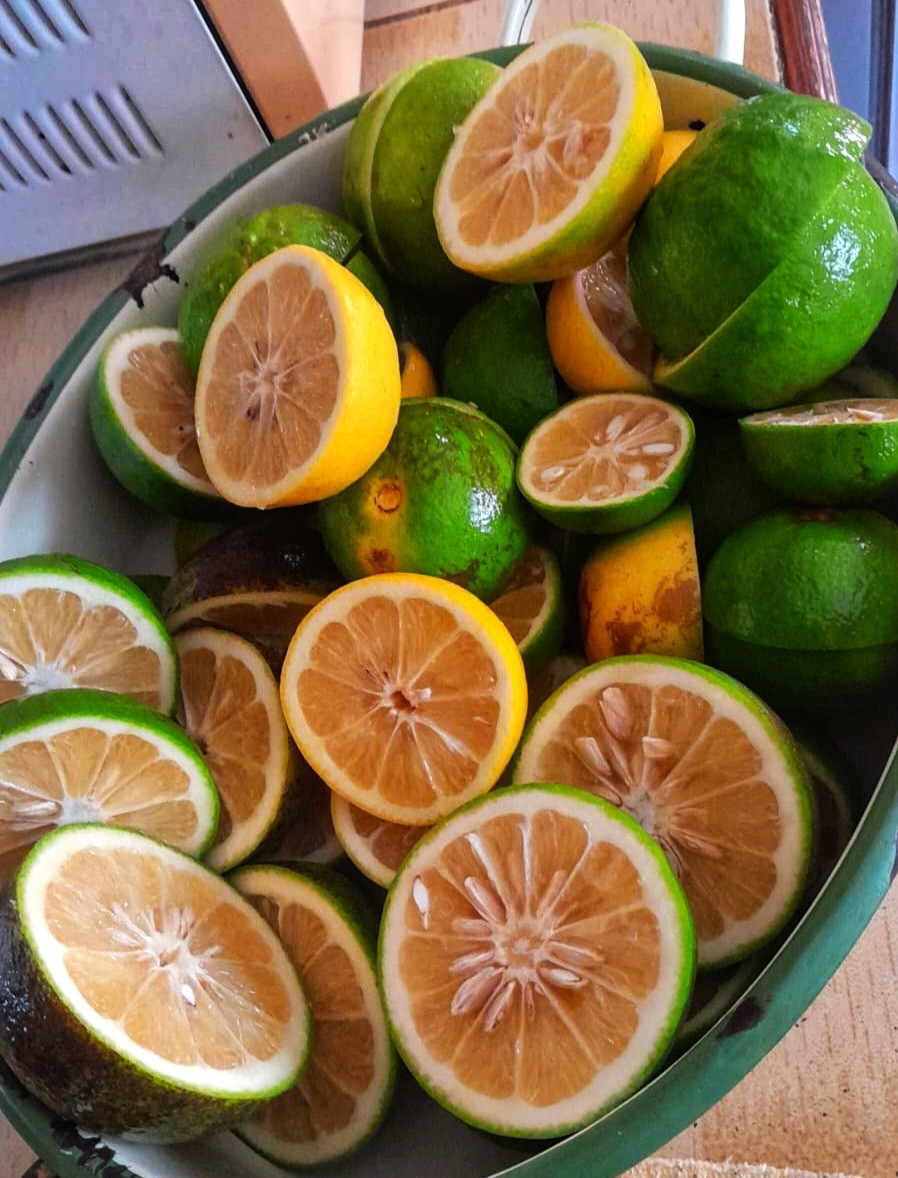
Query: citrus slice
{"x": 139, "y": 993}
{"x": 417, "y": 376}
{"x": 298, "y": 388}
{"x": 375, "y": 846}
{"x": 606, "y": 463}
{"x": 843, "y": 452}
{"x": 406, "y": 694}
{"x": 141, "y": 414}
{"x": 304, "y": 832}
{"x": 832, "y": 779}
{"x": 536, "y": 955}
{"x": 715, "y": 992}
{"x": 532, "y": 607}
{"x": 550, "y": 167}
{"x": 706, "y": 768}
{"x": 639, "y": 592}
{"x": 66, "y": 622}
{"x": 594, "y": 337}
{"x": 91, "y": 756}
{"x": 229, "y": 707}
{"x": 346, "y": 1088}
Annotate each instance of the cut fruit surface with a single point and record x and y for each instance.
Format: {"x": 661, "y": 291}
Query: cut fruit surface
{"x": 375, "y": 846}
{"x": 706, "y": 768}
{"x": 532, "y": 607}
{"x": 536, "y": 955}
{"x": 229, "y": 706}
{"x": 606, "y": 463}
{"x": 173, "y": 1001}
{"x": 141, "y": 414}
{"x": 91, "y": 756}
{"x": 65, "y": 622}
{"x": 715, "y": 992}
{"x": 298, "y": 388}
{"x": 550, "y": 167}
{"x": 304, "y": 833}
{"x": 406, "y": 694}
{"x": 347, "y": 1085}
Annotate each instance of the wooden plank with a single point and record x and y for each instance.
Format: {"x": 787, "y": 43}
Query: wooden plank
{"x": 807, "y": 64}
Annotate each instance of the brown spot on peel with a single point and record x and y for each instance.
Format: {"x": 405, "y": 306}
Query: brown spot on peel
{"x": 388, "y": 497}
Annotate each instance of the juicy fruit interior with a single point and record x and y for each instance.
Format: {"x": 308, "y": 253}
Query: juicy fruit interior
{"x": 157, "y": 387}
{"x": 529, "y": 152}
{"x": 606, "y": 293}
{"x": 387, "y": 843}
{"x": 521, "y": 605}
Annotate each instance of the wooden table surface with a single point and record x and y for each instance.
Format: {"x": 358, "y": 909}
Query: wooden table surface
{"x": 825, "y": 1098}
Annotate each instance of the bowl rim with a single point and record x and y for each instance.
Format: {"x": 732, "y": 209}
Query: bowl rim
{"x": 802, "y": 963}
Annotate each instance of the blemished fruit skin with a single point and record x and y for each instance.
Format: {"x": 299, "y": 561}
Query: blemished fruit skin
{"x": 802, "y": 605}
{"x": 440, "y": 500}
{"x": 254, "y": 239}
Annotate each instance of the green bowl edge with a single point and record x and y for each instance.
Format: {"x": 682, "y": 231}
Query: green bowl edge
{"x": 770, "y": 1006}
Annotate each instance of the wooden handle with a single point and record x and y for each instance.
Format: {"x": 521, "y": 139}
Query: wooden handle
{"x": 807, "y": 65}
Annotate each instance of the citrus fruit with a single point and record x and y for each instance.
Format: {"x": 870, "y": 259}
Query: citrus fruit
{"x": 498, "y": 360}
{"x": 536, "y": 955}
{"x": 714, "y": 994}
{"x": 639, "y": 592}
{"x": 140, "y": 995}
{"x": 67, "y": 622}
{"x": 298, "y": 388}
{"x": 305, "y": 832}
{"x": 91, "y": 756}
{"x": 802, "y": 605}
{"x": 141, "y": 414}
{"x": 229, "y": 707}
{"x": 375, "y": 846}
{"x": 673, "y": 144}
{"x": 550, "y": 167}
{"x": 532, "y": 606}
{"x": 345, "y": 1090}
{"x": 417, "y": 130}
{"x": 253, "y": 239}
{"x": 549, "y": 678}
{"x": 606, "y": 463}
{"x": 594, "y": 336}
{"x": 440, "y": 500}
{"x": 834, "y": 792}
{"x": 706, "y": 768}
{"x": 763, "y": 261}
{"x": 406, "y": 695}
{"x": 841, "y": 452}
{"x": 416, "y": 374}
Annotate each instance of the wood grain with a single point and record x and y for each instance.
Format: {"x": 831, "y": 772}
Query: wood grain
{"x": 807, "y": 64}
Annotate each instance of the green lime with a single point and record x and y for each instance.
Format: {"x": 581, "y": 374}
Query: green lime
{"x": 536, "y": 955}
{"x": 802, "y": 605}
{"x": 606, "y": 463}
{"x": 532, "y": 607}
{"x": 141, "y": 414}
{"x": 440, "y": 500}
{"x": 347, "y": 1085}
{"x": 764, "y": 260}
{"x": 140, "y": 994}
{"x": 416, "y": 133}
{"x": 497, "y": 358}
{"x": 254, "y": 239}
{"x": 840, "y": 452}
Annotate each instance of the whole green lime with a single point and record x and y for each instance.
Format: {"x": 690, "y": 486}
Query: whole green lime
{"x": 497, "y": 358}
{"x": 254, "y": 239}
{"x": 441, "y": 500}
{"x": 764, "y": 260}
{"x": 802, "y": 605}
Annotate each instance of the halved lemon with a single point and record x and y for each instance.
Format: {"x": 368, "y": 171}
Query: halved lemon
{"x": 406, "y": 694}
{"x": 532, "y": 606}
{"x": 346, "y": 1088}
{"x": 706, "y": 768}
{"x": 229, "y": 706}
{"x": 536, "y": 956}
{"x": 92, "y": 756}
{"x": 140, "y": 995}
{"x": 552, "y": 164}
{"x": 141, "y": 414}
{"x": 594, "y": 336}
{"x": 66, "y": 622}
{"x": 298, "y": 389}
{"x": 375, "y": 846}
{"x": 606, "y": 463}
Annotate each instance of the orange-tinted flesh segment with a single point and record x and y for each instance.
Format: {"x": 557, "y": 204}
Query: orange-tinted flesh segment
{"x": 605, "y": 290}
{"x": 158, "y": 389}
{"x": 268, "y": 618}
{"x": 862, "y": 411}
{"x": 528, "y": 948}
{"x": 387, "y": 842}
{"x": 523, "y": 601}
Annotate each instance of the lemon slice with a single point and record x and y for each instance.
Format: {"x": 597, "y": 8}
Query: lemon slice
{"x": 375, "y": 846}
{"x": 171, "y": 997}
{"x": 298, "y": 389}
{"x": 406, "y": 694}
{"x": 536, "y": 956}
{"x": 550, "y": 167}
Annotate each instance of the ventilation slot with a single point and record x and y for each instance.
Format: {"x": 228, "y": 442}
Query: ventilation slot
{"x": 28, "y": 26}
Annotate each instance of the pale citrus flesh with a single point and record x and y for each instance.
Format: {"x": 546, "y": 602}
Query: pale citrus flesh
{"x": 406, "y": 694}
{"x": 229, "y": 707}
{"x": 268, "y": 617}
{"x": 375, "y": 846}
{"x": 722, "y": 791}
{"x": 523, "y": 605}
{"x": 863, "y": 411}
